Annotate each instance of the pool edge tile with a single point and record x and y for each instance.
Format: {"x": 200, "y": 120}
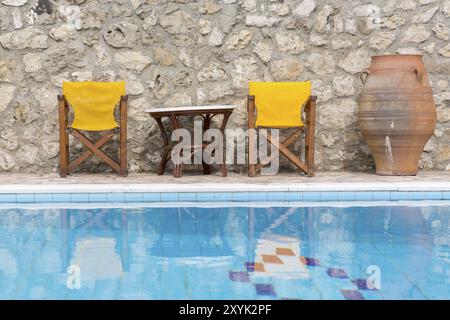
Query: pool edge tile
{"x": 8, "y": 198}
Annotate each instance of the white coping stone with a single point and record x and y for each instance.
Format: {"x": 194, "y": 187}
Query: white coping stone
{"x": 224, "y": 187}
{"x": 191, "y": 108}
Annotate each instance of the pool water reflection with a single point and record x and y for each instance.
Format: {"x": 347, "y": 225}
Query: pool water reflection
{"x": 225, "y": 253}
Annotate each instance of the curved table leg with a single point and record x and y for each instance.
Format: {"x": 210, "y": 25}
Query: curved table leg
{"x": 178, "y": 168}
{"x": 166, "y": 154}
{"x": 206, "y": 126}
{"x": 223, "y": 165}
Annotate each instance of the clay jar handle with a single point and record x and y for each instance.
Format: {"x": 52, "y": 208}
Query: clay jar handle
{"x": 364, "y": 76}
{"x": 419, "y": 74}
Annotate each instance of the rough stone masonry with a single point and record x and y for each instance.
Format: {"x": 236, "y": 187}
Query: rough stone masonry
{"x": 185, "y": 52}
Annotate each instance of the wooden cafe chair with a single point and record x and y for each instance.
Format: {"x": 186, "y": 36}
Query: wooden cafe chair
{"x": 281, "y": 105}
{"x": 93, "y": 105}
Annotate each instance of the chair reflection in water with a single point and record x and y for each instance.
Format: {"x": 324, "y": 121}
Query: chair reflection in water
{"x": 96, "y": 242}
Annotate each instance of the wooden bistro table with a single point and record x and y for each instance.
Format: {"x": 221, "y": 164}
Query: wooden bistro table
{"x": 174, "y": 115}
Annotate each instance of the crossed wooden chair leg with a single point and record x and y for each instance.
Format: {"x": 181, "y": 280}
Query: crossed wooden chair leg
{"x": 93, "y": 149}
{"x": 283, "y": 149}
{"x": 100, "y": 143}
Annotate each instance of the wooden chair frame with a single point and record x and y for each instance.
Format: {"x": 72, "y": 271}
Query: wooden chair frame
{"x": 66, "y": 166}
{"x": 308, "y": 128}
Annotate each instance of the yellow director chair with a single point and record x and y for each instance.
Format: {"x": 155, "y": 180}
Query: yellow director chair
{"x": 93, "y": 104}
{"x": 280, "y": 105}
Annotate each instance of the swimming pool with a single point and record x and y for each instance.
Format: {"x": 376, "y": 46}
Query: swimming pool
{"x": 234, "y": 251}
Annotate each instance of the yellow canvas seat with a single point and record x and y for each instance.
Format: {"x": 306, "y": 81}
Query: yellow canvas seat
{"x": 281, "y": 105}
{"x": 93, "y": 105}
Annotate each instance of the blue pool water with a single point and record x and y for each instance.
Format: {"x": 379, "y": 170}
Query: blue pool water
{"x": 225, "y": 253}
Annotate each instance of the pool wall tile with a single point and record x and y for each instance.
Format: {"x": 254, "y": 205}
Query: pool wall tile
{"x": 347, "y": 196}
{"x": 25, "y": 198}
{"x": 364, "y": 196}
{"x": 275, "y": 196}
{"x": 187, "y": 196}
{"x": 169, "y": 196}
{"x": 415, "y": 195}
{"x": 151, "y": 197}
{"x": 205, "y": 196}
{"x": 79, "y": 197}
{"x": 328, "y": 196}
{"x": 116, "y": 197}
{"x": 433, "y": 195}
{"x": 399, "y": 195}
{"x": 133, "y": 197}
{"x": 241, "y": 196}
{"x": 381, "y": 195}
{"x": 223, "y": 196}
{"x": 311, "y": 196}
{"x": 98, "y": 197}
{"x": 293, "y": 196}
{"x": 8, "y": 198}
{"x": 258, "y": 196}
{"x": 43, "y": 198}
{"x": 61, "y": 197}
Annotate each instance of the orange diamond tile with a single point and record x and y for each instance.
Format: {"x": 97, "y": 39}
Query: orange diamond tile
{"x": 285, "y": 252}
{"x": 271, "y": 259}
{"x": 259, "y": 267}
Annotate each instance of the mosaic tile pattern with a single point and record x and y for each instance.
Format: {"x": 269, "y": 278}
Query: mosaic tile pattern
{"x": 264, "y": 289}
{"x": 312, "y": 262}
{"x": 361, "y": 284}
{"x": 267, "y": 289}
{"x": 352, "y": 294}
{"x": 337, "y": 273}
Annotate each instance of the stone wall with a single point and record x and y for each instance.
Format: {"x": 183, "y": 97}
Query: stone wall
{"x": 186, "y": 52}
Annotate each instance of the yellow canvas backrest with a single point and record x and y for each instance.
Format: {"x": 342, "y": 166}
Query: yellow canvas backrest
{"x": 93, "y": 103}
{"x": 279, "y": 104}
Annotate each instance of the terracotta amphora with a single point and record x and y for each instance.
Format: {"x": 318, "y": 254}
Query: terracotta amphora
{"x": 397, "y": 113}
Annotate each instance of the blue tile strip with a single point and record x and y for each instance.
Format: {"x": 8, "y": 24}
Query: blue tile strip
{"x": 311, "y": 196}
{"x": 187, "y": 196}
{"x": 25, "y": 198}
{"x": 43, "y": 197}
{"x": 61, "y": 197}
{"x": 169, "y": 197}
{"x": 294, "y": 196}
{"x": 98, "y": 197}
{"x": 276, "y": 196}
{"x": 115, "y": 197}
{"x": 8, "y": 198}
{"x": 223, "y": 196}
{"x": 133, "y": 197}
{"x": 151, "y": 197}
